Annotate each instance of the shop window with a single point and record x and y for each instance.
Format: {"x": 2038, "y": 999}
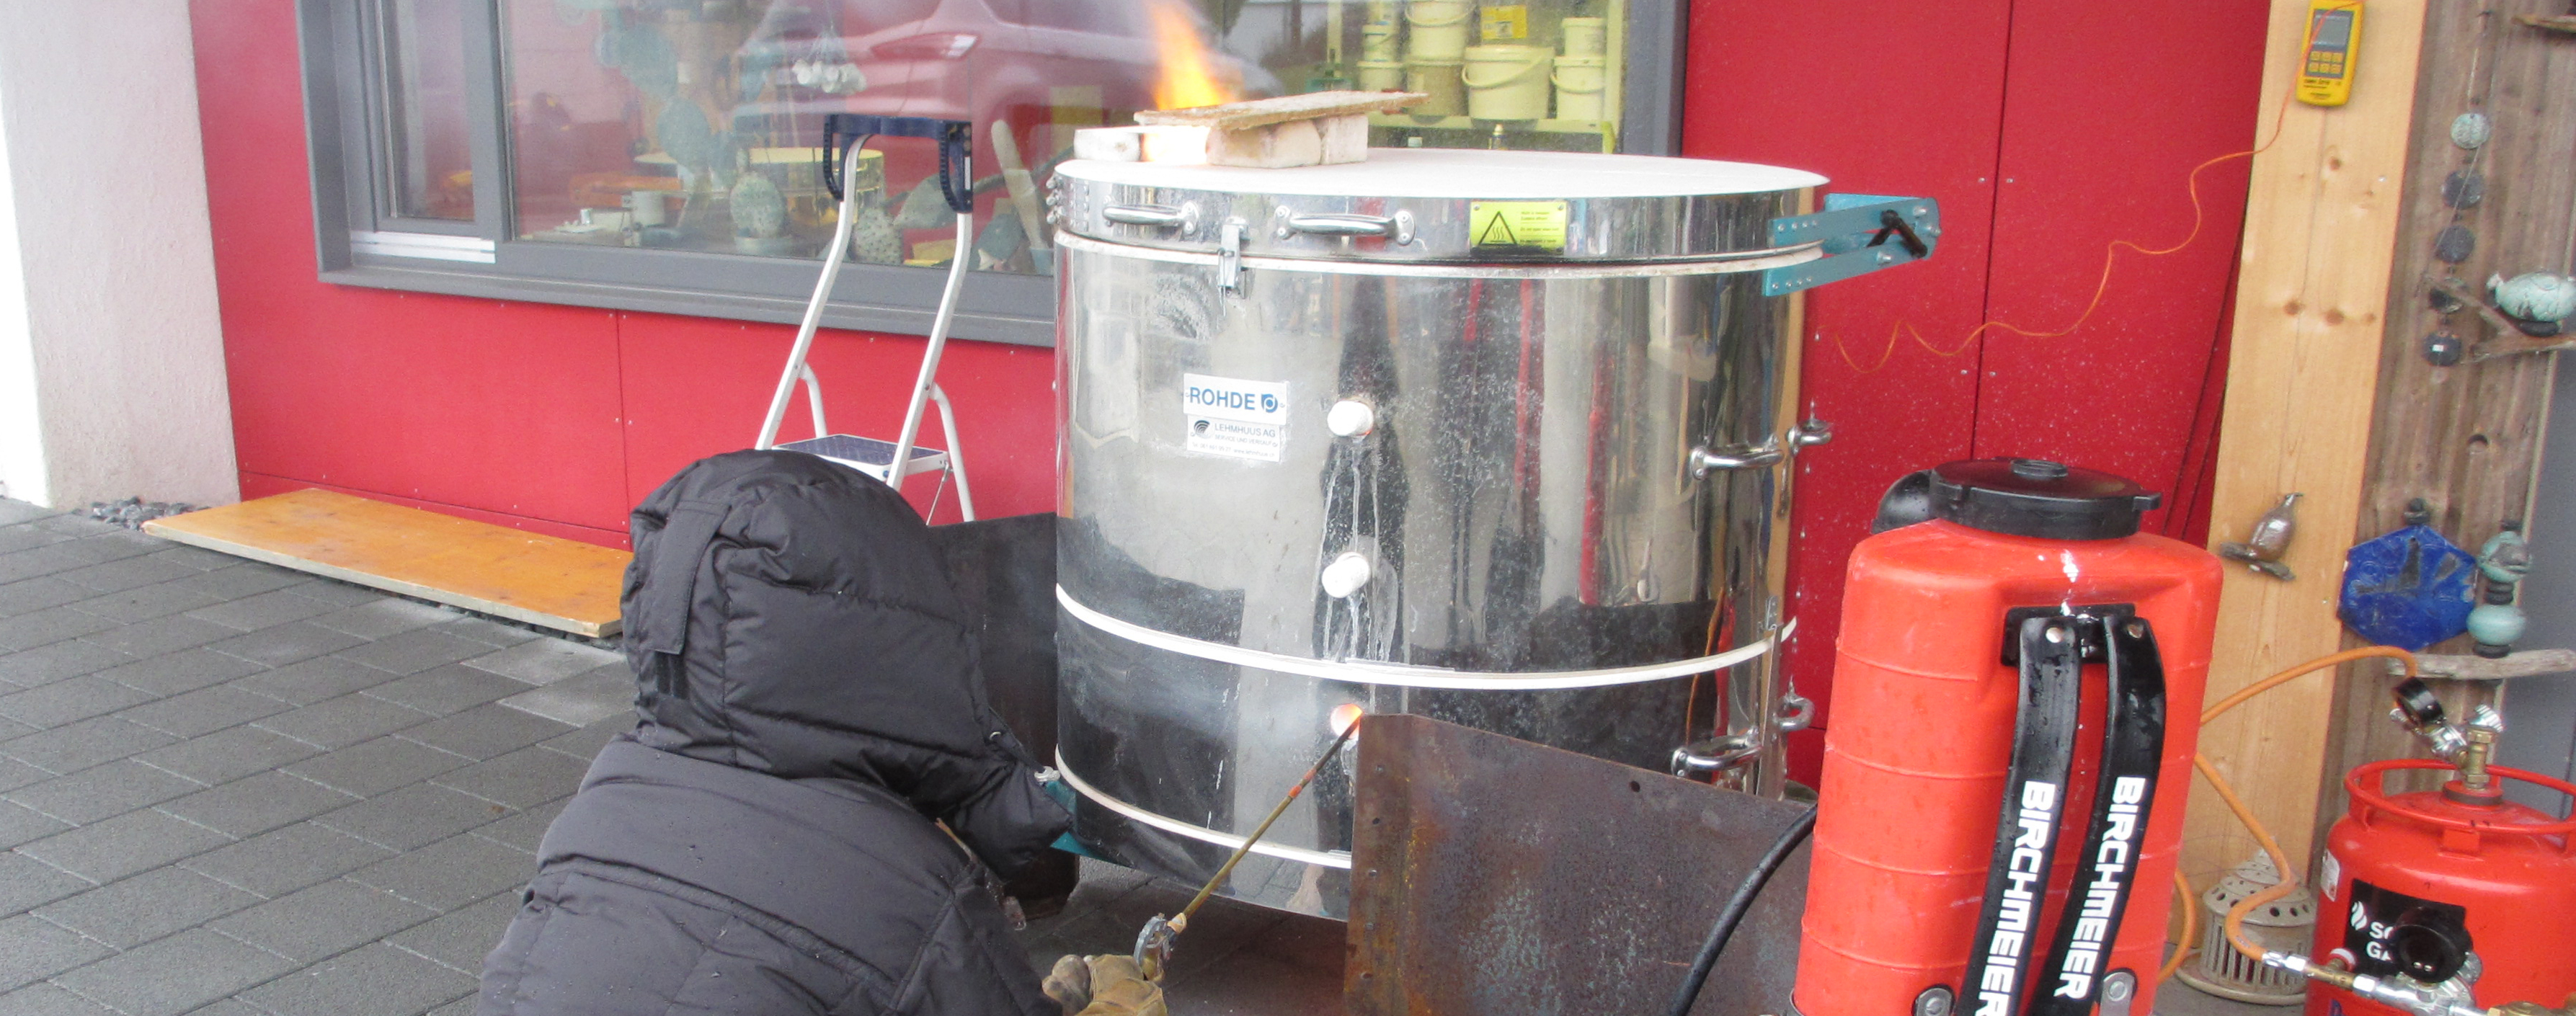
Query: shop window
{"x": 662, "y": 154}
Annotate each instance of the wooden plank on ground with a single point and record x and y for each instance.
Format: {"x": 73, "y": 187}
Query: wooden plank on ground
{"x": 2466, "y": 438}
{"x": 2320, "y": 229}
{"x": 541, "y": 580}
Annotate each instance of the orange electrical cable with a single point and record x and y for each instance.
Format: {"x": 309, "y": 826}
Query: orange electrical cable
{"x": 2190, "y": 929}
{"x": 2320, "y": 663}
{"x": 2101, "y": 286}
{"x": 2235, "y": 925}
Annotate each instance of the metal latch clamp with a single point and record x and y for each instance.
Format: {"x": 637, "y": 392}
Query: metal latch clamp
{"x": 1860, "y": 234}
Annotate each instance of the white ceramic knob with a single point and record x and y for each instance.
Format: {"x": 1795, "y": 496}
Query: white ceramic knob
{"x": 1346, "y": 575}
{"x": 1350, "y": 418}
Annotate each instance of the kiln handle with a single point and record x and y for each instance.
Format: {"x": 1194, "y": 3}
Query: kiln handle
{"x": 1184, "y": 219}
{"x": 1858, "y": 234}
{"x": 1397, "y": 228}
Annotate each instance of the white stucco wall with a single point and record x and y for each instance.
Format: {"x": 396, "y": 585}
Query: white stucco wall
{"x": 111, "y": 351}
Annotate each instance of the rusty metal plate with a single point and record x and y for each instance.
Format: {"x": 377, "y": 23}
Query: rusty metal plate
{"x": 1492, "y": 875}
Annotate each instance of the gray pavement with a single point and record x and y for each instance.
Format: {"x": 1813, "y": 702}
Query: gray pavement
{"x": 235, "y": 789}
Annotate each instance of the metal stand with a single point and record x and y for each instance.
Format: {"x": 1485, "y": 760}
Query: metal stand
{"x": 874, "y": 456}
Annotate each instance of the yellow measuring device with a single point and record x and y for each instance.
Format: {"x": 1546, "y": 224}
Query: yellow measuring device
{"x": 2326, "y": 58}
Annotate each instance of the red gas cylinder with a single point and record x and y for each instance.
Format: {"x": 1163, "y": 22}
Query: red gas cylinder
{"x": 1999, "y": 742}
{"x": 2413, "y": 883}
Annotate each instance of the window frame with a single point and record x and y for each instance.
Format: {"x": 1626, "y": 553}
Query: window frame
{"x": 359, "y": 242}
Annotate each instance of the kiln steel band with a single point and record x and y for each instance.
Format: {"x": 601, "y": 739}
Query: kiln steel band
{"x": 1364, "y": 672}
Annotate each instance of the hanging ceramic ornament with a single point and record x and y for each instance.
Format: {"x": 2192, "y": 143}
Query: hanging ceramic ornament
{"x": 2454, "y": 243}
{"x": 2410, "y": 588}
{"x": 2443, "y": 349}
{"x": 2471, "y": 130}
{"x": 2464, "y": 188}
{"x": 2536, "y": 301}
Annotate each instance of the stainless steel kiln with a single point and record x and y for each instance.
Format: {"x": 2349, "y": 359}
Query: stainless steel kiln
{"x": 1501, "y": 438}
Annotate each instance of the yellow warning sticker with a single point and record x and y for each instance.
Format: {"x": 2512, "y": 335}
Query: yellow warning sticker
{"x": 1535, "y": 225}
{"x": 1505, "y": 22}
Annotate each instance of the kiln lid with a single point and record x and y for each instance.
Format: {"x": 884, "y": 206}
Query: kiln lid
{"x": 1437, "y": 204}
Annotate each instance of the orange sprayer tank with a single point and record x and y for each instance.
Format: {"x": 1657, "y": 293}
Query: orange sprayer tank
{"x": 1994, "y": 646}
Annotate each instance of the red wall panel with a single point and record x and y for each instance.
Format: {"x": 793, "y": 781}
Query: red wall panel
{"x": 2123, "y": 391}
{"x": 1884, "y": 98}
{"x": 2047, "y": 129}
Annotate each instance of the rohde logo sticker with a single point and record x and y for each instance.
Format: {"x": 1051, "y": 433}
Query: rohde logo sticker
{"x": 1234, "y": 418}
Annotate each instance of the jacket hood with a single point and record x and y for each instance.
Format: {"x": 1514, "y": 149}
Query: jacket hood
{"x": 788, "y": 616}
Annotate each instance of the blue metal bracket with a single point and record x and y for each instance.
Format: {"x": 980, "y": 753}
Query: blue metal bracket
{"x": 1859, "y": 233}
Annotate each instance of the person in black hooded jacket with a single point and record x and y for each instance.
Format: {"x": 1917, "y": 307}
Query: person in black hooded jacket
{"x": 763, "y": 840}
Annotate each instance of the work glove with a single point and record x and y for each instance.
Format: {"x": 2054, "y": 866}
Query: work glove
{"x": 1106, "y": 985}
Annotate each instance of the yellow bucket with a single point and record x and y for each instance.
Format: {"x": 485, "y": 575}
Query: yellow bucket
{"x": 1439, "y": 30}
{"x": 1581, "y": 82}
{"x": 1506, "y": 82}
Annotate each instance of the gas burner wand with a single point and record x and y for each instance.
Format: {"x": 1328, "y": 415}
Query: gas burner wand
{"x": 1154, "y": 941}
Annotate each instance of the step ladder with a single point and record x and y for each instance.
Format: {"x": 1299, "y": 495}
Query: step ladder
{"x": 876, "y": 457}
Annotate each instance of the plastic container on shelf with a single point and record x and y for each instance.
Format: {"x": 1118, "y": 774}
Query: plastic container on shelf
{"x": 1378, "y": 42}
{"x": 1381, "y": 75}
{"x": 1582, "y": 87}
{"x": 1506, "y": 82}
{"x": 1439, "y": 30}
{"x": 1585, "y": 36}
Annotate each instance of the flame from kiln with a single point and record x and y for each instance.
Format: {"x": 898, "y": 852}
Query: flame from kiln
{"x": 1186, "y": 78}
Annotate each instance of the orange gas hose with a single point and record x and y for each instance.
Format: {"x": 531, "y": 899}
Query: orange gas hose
{"x": 2227, "y": 794}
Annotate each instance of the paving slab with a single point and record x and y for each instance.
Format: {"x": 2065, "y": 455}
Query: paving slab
{"x": 47, "y": 664}
{"x": 461, "y": 939}
{"x": 257, "y": 803}
{"x": 113, "y": 848}
{"x": 204, "y": 711}
{"x": 32, "y": 948}
{"x": 447, "y": 688}
{"x": 376, "y": 979}
{"x": 260, "y": 611}
{"x": 72, "y": 698}
{"x": 280, "y": 862}
{"x": 449, "y": 873}
{"x": 581, "y": 701}
{"x": 315, "y": 680}
{"x": 183, "y": 671}
{"x": 159, "y": 902}
{"x": 373, "y": 767}
{"x": 488, "y": 730}
{"x": 77, "y": 746}
{"x": 227, "y": 755}
{"x": 545, "y": 660}
{"x": 175, "y": 974}
{"x": 26, "y": 882}
{"x": 344, "y": 721}
{"x": 102, "y": 791}
{"x": 324, "y": 920}
{"x": 413, "y": 816}
{"x": 524, "y": 778}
